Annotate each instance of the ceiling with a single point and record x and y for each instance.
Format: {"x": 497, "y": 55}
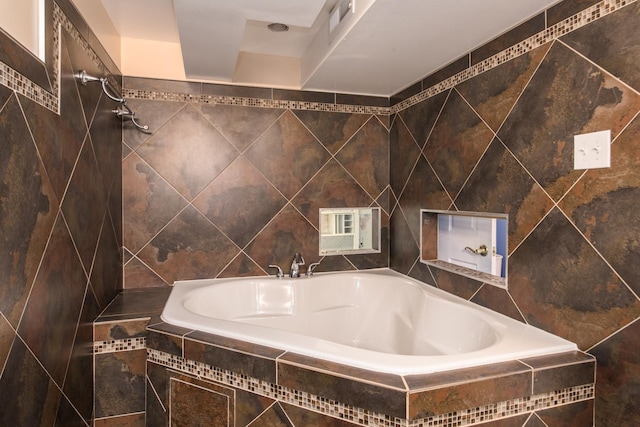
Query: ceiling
{"x": 379, "y": 48}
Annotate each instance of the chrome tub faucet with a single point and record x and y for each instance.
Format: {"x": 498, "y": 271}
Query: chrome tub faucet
{"x": 311, "y": 267}
{"x": 295, "y": 265}
{"x": 279, "y": 274}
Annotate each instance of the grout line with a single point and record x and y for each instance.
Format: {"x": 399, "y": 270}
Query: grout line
{"x": 600, "y": 255}
{"x": 600, "y": 67}
{"x": 611, "y": 335}
{"x": 525, "y": 86}
{"x": 155, "y": 393}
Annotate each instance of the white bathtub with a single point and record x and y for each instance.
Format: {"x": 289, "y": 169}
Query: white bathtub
{"x": 378, "y": 320}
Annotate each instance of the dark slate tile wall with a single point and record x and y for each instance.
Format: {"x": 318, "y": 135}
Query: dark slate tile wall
{"x": 120, "y": 383}
{"x": 503, "y": 142}
{"x": 225, "y": 190}
{"x": 60, "y": 216}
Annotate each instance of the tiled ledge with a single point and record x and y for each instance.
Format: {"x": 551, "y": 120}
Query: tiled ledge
{"x": 119, "y": 347}
{"x": 485, "y": 392}
{"x": 122, "y": 325}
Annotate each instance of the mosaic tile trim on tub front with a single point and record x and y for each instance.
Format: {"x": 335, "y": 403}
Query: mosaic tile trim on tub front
{"x": 467, "y": 417}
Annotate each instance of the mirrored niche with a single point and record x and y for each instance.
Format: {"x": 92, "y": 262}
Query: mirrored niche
{"x": 472, "y": 244}
{"x": 349, "y": 231}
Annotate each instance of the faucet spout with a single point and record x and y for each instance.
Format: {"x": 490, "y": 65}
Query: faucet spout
{"x": 311, "y": 267}
{"x": 298, "y": 260}
{"x": 279, "y": 274}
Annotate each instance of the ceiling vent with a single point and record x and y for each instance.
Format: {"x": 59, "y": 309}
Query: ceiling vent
{"x": 277, "y": 27}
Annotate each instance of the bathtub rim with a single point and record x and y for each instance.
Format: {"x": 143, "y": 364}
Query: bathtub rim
{"x": 353, "y": 356}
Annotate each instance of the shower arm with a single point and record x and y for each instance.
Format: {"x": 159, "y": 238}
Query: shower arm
{"x": 127, "y": 112}
{"x": 121, "y": 112}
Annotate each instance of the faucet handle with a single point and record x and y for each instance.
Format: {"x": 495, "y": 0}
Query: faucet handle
{"x": 279, "y": 274}
{"x": 311, "y": 267}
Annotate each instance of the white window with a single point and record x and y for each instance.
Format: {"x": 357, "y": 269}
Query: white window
{"x": 24, "y": 21}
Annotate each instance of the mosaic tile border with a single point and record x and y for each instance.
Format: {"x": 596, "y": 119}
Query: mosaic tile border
{"x": 13, "y": 80}
{"x": 253, "y": 102}
{"x": 22, "y": 85}
{"x": 60, "y": 19}
{"x": 467, "y": 417}
{"x": 510, "y": 408}
{"x": 553, "y": 32}
{"x": 113, "y": 346}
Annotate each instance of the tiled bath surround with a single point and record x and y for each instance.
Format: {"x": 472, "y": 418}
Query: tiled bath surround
{"x": 556, "y": 297}
{"x": 194, "y": 376}
{"x": 60, "y": 225}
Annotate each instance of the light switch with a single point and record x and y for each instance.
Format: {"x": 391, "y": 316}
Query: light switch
{"x": 592, "y": 150}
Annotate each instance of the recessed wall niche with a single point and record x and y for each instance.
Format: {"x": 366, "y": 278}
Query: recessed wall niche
{"x": 349, "y": 231}
{"x": 472, "y": 244}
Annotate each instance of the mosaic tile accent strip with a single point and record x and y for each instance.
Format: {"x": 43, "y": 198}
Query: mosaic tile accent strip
{"x": 553, "y": 32}
{"x": 51, "y": 100}
{"x": 253, "y": 102}
{"x": 509, "y": 408}
{"x": 114, "y": 346}
{"x": 60, "y": 19}
{"x": 363, "y": 417}
{"x": 17, "y": 82}
{"x": 22, "y": 85}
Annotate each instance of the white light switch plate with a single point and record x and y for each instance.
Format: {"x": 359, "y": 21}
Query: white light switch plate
{"x": 592, "y": 150}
